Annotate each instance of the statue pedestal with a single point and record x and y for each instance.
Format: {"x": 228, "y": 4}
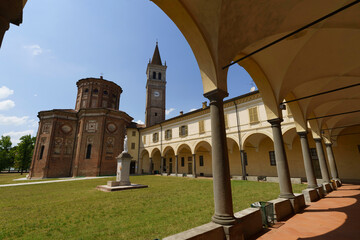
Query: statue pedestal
{"x": 122, "y": 176}
{"x": 123, "y": 169}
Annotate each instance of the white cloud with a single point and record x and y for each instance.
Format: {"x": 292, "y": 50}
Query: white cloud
{"x": 34, "y": 49}
{"x": 35, "y": 95}
{"x": 13, "y": 120}
{"x": 15, "y": 136}
{"x": 33, "y": 123}
{"x": 193, "y": 109}
{"x": 139, "y": 122}
{"x": 5, "y": 92}
{"x": 7, "y": 104}
{"x": 168, "y": 111}
{"x": 252, "y": 89}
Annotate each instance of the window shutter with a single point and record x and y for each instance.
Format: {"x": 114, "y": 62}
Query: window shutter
{"x": 253, "y": 114}
{"x": 186, "y": 130}
{"x": 250, "y": 115}
{"x": 256, "y": 117}
{"x": 201, "y": 126}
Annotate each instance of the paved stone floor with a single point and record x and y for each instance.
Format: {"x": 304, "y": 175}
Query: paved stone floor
{"x": 337, "y": 216}
{"x": 31, "y": 182}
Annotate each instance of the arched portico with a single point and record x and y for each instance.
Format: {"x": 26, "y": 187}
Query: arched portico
{"x": 169, "y": 164}
{"x": 145, "y": 161}
{"x": 293, "y": 153}
{"x": 254, "y": 138}
{"x": 203, "y": 158}
{"x": 264, "y": 86}
{"x": 348, "y": 144}
{"x": 185, "y": 159}
{"x": 289, "y": 135}
{"x": 156, "y": 160}
{"x": 259, "y": 149}
{"x": 234, "y": 157}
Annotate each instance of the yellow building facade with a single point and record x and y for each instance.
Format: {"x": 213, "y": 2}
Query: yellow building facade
{"x": 181, "y": 146}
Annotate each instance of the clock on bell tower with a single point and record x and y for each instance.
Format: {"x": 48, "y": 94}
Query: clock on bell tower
{"x": 155, "y": 90}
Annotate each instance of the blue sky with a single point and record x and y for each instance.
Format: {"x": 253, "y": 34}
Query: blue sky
{"x": 63, "y": 41}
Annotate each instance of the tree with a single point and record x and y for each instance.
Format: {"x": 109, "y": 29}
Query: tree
{"x": 5, "y": 147}
{"x": 12, "y": 157}
{"x": 24, "y": 152}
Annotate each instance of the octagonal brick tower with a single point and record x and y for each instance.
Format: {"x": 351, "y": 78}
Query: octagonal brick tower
{"x": 97, "y": 93}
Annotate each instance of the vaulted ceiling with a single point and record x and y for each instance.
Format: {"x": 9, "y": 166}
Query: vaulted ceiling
{"x": 323, "y": 57}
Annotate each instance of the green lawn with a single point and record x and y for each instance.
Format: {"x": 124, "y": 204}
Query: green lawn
{"x": 76, "y": 210}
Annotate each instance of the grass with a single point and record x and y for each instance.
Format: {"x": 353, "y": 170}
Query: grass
{"x": 76, "y": 210}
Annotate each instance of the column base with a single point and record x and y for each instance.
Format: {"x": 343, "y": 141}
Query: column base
{"x": 327, "y": 188}
{"x": 320, "y": 191}
{"x": 287, "y": 195}
{"x": 313, "y": 186}
{"x": 311, "y": 195}
{"x": 338, "y": 182}
{"x": 298, "y": 203}
{"x": 223, "y": 220}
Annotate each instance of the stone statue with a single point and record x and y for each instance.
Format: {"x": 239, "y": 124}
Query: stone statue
{"x": 125, "y": 145}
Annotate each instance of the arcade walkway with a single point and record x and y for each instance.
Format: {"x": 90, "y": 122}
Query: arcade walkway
{"x": 337, "y": 216}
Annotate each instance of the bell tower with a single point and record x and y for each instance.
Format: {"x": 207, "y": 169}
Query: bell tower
{"x": 155, "y": 90}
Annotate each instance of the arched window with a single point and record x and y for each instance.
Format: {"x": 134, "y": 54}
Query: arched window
{"x": 96, "y": 91}
{"x": 154, "y": 75}
{"x": 86, "y": 90}
{"x": 88, "y": 151}
{"x": 159, "y": 76}
{"x": 105, "y": 92}
{"x": 41, "y": 151}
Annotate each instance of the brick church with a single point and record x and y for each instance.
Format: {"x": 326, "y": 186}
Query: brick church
{"x": 84, "y": 141}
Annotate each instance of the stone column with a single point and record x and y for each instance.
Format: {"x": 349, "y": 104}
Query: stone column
{"x": 332, "y": 163}
{"x": 309, "y": 168}
{"x": 151, "y": 166}
{"x": 4, "y": 26}
{"x": 224, "y": 214}
{"x": 322, "y": 160}
{"x": 176, "y": 164}
{"x": 243, "y": 165}
{"x": 194, "y": 165}
{"x": 161, "y": 165}
{"x": 282, "y": 166}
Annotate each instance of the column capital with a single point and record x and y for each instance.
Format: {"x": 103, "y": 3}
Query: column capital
{"x": 317, "y": 139}
{"x": 216, "y": 95}
{"x": 275, "y": 122}
{"x": 302, "y": 134}
{"x": 194, "y": 154}
{"x": 328, "y": 144}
